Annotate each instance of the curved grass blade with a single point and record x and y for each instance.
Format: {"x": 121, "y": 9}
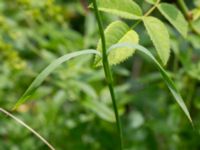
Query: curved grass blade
{"x": 41, "y": 77}
{"x": 28, "y": 127}
{"x": 170, "y": 84}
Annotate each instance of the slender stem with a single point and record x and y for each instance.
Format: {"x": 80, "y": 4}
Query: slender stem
{"x": 185, "y": 10}
{"x": 152, "y": 8}
{"x": 135, "y": 24}
{"x": 183, "y": 7}
{"x": 146, "y": 14}
{"x": 188, "y": 15}
{"x": 108, "y": 73}
{"x": 28, "y": 127}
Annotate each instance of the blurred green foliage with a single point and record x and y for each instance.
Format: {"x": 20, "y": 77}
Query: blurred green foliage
{"x": 73, "y": 109}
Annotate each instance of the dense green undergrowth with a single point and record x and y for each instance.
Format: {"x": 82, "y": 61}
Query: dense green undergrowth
{"x": 72, "y": 107}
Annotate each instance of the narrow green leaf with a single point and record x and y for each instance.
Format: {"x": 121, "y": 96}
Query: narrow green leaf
{"x": 118, "y": 32}
{"x": 175, "y": 17}
{"x": 159, "y": 36}
{"x": 100, "y": 109}
{"x": 27, "y": 127}
{"x": 123, "y": 8}
{"x": 50, "y": 68}
{"x": 86, "y": 88}
{"x": 170, "y": 84}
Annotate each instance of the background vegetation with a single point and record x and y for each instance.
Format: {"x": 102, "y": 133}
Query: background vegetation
{"x": 73, "y": 109}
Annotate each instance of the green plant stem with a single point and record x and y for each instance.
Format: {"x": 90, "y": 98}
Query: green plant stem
{"x": 152, "y": 8}
{"x": 187, "y": 14}
{"x": 27, "y": 127}
{"x": 108, "y": 73}
{"x": 183, "y": 7}
{"x": 146, "y": 14}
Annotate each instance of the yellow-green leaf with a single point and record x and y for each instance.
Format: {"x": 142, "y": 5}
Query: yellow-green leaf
{"x": 118, "y": 32}
{"x": 151, "y": 1}
{"x": 196, "y": 13}
{"x": 175, "y": 17}
{"x": 170, "y": 84}
{"x": 123, "y": 8}
{"x": 159, "y": 36}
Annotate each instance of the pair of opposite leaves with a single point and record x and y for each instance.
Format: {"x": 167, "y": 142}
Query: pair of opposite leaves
{"x": 119, "y": 32}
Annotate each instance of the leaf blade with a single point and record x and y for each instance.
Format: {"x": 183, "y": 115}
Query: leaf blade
{"x": 159, "y": 36}
{"x": 101, "y": 109}
{"x": 123, "y": 8}
{"x": 170, "y": 84}
{"x": 175, "y": 17}
{"x": 118, "y": 32}
{"x": 51, "y": 67}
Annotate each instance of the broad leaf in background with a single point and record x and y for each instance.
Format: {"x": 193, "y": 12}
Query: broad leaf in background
{"x": 175, "y": 17}
{"x": 159, "y": 36}
{"x": 194, "y": 71}
{"x": 41, "y": 77}
{"x": 170, "y": 84}
{"x": 123, "y": 8}
{"x": 196, "y": 25}
{"x": 100, "y": 109}
{"x": 118, "y": 32}
{"x": 197, "y": 3}
{"x": 196, "y": 13}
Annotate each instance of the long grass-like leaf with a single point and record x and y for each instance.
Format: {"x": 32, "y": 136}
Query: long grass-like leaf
{"x": 170, "y": 84}
{"x": 50, "y": 68}
{"x": 28, "y": 127}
